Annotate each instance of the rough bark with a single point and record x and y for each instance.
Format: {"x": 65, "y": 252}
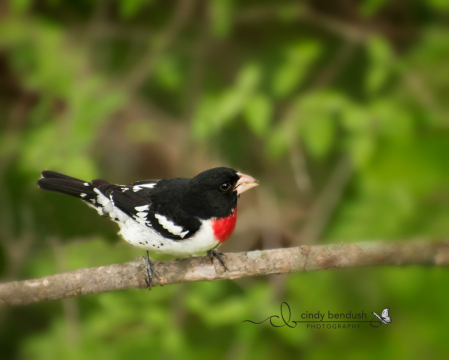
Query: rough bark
{"x": 277, "y": 261}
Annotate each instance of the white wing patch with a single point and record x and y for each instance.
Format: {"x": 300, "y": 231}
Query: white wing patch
{"x": 150, "y": 186}
{"x": 170, "y": 226}
{"x": 142, "y": 208}
{"x": 106, "y": 205}
{"x": 136, "y": 188}
{"x": 108, "y": 208}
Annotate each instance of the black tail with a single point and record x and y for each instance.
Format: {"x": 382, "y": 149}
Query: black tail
{"x": 53, "y": 181}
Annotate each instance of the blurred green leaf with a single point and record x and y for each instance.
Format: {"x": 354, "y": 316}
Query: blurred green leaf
{"x": 203, "y": 124}
{"x": 249, "y": 78}
{"x": 369, "y": 8}
{"x": 355, "y": 118}
{"x": 221, "y": 13}
{"x": 441, "y": 5}
{"x": 230, "y": 104}
{"x": 381, "y": 62}
{"x": 168, "y": 73}
{"x": 295, "y": 68}
{"x": 281, "y": 138}
{"x": 289, "y": 12}
{"x": 20, "y": 6}
{"x": 258, "y": 112}
{"x": 215, "y": 112}
{"x": 129, "y": 8}
{"x": 318, "y": 133}
{"x": 277, "y": 143}
{"x": 361, "y": 147}
{"x": 318, "y": 114}
{"x": 361, "y": 133}
{"x": 392, "y": 120}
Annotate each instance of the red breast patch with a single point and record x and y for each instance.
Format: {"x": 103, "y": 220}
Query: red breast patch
{"x": 224, "y": 227}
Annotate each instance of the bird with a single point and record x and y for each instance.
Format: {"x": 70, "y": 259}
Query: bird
{"x": 179, "y": 216}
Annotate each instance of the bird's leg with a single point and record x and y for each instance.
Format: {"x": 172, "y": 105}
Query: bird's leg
{"x": 150, "y": 270}
{"x": 212, "y": 253}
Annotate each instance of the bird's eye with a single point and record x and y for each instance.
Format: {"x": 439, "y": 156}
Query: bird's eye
{"x": 225, "y": 186}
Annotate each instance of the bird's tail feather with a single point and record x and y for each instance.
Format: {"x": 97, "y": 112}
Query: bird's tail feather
{"x": 53, "y": 181}
{"x": 48, "y": 174}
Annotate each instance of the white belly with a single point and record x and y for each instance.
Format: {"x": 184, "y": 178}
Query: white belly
{"x": 146, "y": 238}
{"x": 142, "y": 236}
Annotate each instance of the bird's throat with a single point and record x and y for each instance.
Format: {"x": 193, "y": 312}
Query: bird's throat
{"x": 224, "y": 227}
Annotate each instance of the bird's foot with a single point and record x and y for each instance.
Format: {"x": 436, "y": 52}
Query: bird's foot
{"x": 213, "y": 254}
{"x": 150, "y": 271}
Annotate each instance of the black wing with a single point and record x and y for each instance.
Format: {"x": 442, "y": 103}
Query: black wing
{"x": 137, "y": 201}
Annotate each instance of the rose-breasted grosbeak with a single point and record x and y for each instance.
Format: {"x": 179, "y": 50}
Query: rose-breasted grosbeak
{"x": 173, "y": 216}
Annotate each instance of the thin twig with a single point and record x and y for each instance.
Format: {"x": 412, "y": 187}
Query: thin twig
{"x": 299, "y": 168}
{"x": 329, "y": 73}
{"x": 278, "y": 261}
{"x": 326, "y": 202}
{"x": 302, "y": 12}
{"x": 144, "y": 69}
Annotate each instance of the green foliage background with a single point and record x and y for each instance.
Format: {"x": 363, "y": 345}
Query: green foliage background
{"x": 339, "y": 108}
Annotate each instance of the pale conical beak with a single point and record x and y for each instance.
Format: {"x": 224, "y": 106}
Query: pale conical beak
{"x": 245, "y": 182}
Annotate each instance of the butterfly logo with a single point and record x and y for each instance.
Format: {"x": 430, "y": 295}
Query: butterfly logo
{"x": 384, "y": 318}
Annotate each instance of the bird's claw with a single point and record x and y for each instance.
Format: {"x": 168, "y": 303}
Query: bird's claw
{"x": 213, "y": 254}
{"x": 150, "y": 271}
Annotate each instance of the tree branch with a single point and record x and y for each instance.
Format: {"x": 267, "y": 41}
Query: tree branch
{"x": 277, "y": 261}
{"x": 326, "y": 202}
